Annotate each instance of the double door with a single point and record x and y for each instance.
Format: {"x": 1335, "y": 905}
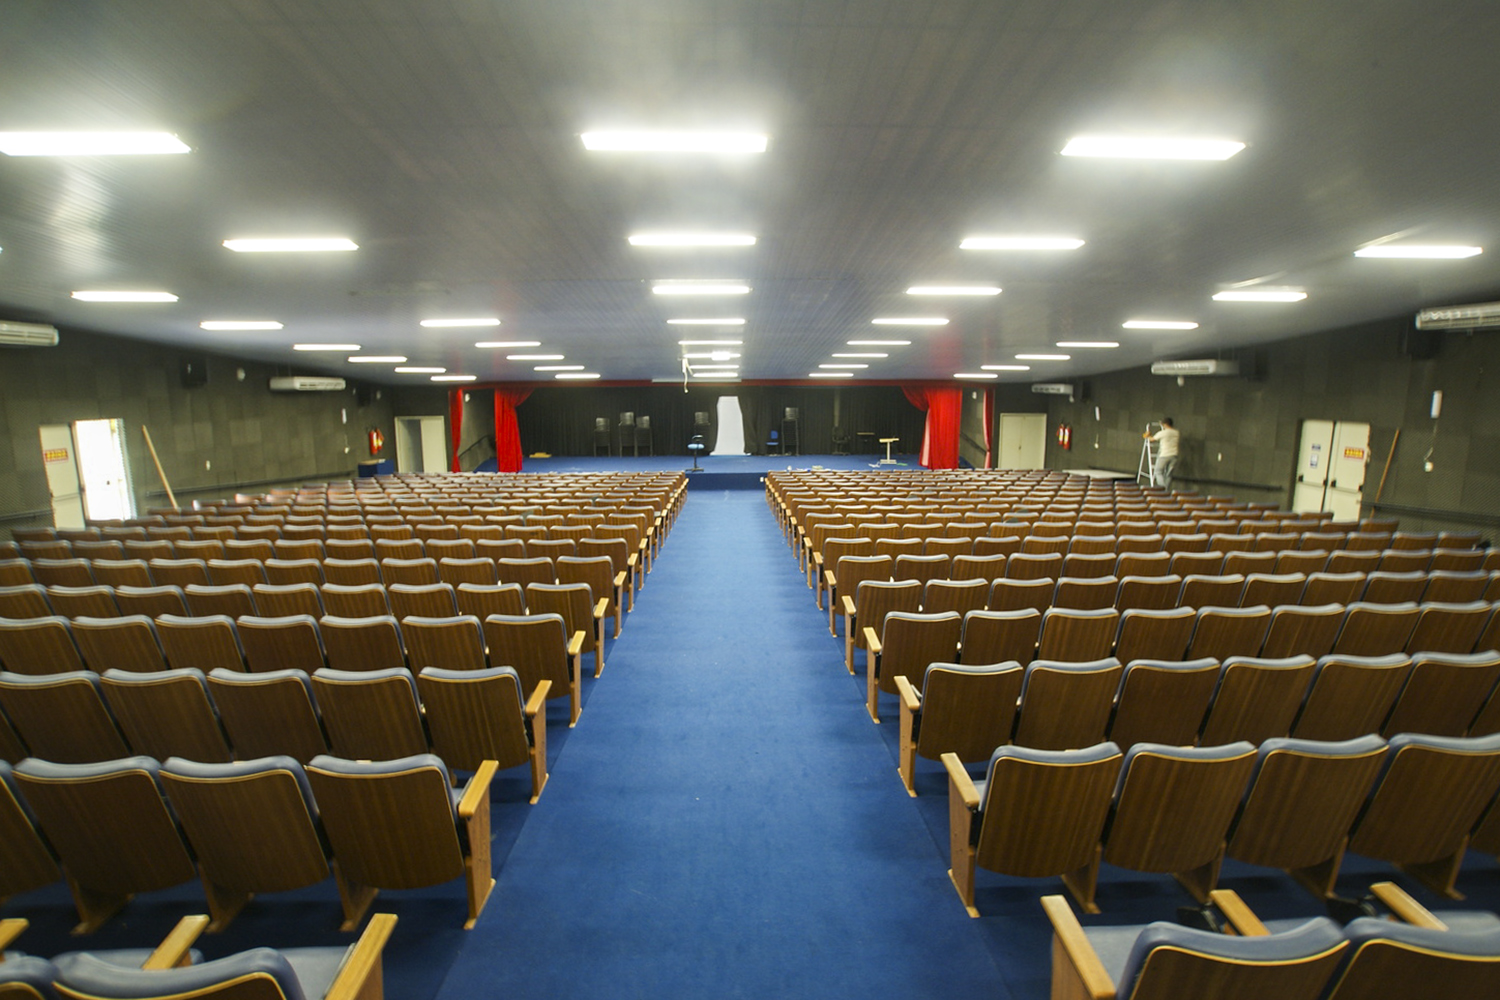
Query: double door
{"x": 1333, "y": 458}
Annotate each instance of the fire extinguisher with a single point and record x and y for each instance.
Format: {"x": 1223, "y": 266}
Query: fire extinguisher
{"x": 1065, "y": 437}
{"x": 377, "y": 441}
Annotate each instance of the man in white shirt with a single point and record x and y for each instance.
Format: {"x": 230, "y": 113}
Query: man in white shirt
{"x": 1166, "y": 455}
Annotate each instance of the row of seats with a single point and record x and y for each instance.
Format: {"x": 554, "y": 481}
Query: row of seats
{"x": 970, "y": 709}
{"x": 133, "y": 825}
{"x": 1289, "y": 804}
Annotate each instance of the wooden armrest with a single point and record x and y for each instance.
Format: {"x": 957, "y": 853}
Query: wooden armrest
{"x": 538, "y": 698}
{"x": 960, "y": 781}
{"x": 1240, "y": 916}
{"x": 1068, "y": 936}
{"x": 10, "y": 929}
{"x": 361, "y": 968}
{"x": 1405, "y": 909}
{"x": 872, "y": 641}
{"x": 601, "y": 606}
{"x": 478, "y": 789}
{"x": 818, "y": 559}
{"x": 848, "y": 603}
{"x": 634, "y": 560}
{"x": 829, "y": 579}
{"x": 911, "y": 699}
{"x": 575, "y": 644}
{"x": 620, "y": 578}
{"x": 173, "y": 950}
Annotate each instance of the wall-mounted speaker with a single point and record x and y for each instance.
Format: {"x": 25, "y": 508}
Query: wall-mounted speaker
{"x": 194, "y": 371}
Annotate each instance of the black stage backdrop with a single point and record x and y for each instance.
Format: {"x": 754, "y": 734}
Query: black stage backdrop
{"x": 560, "y": 421}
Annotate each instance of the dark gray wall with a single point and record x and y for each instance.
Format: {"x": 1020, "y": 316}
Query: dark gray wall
{"x": 251, "y": 437}
{"x": 1240, "y": 434}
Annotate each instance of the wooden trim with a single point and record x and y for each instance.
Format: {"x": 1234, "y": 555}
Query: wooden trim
{"x": 362, "y": 977}
{"x": 173, "y": 950}
{"x": 1088, "y": 976}
{"x": 1240, "y": 917}
{"x": 1404, "y": 908}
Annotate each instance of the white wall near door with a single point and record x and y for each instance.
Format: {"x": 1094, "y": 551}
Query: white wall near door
{"x": 1022, "y": 441}
{"x": 61, "y": 463}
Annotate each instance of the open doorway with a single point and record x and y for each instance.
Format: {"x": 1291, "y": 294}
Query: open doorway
{"x": 87, "y": 472}
{"x": 421, "y": 444}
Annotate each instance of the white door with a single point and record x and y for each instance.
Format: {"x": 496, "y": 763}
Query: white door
{"x": 1313, "y": 462}
{"x": 731, "y": 439}
{"x": 102, "y": 465}
{"x": 1346, "y": 473}
{"x": 59, "y": 460}
{"x": 421, "y": 444}
{"x": 1022, "y": 441}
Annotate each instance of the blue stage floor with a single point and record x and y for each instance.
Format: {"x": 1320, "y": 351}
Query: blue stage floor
{"x": 716, "y": 472}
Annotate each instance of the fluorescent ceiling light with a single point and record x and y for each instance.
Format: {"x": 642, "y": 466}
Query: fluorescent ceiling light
{"x": 558, "y": 368}
{"x": 89, "y": 143}
{"x": 1044, "y": 357}
{"x": 478, "y": 321}
{"x": 1415, "y": 251}
{"x": 724, "y": 321}
{"x": 1006, "y": 368}
{"x": 837, "y": 366}
{"x": 534, "y": 357}
{"x": 715, "y": 368}
{"x": 711, "y": 355}
{"x": 721, "y": 376}
{"x": 376, "y": 359}
{"x": 910, "y": 321}
{"x": 1159, "y": 324}
{"x": 830, "y": 374}
{"x": 573, "y": 375}
{"x": 710, "y": 343}
{"x": 325, "y": 347}
{"x": 421, "y": 371}
{"x": 454, "y": 378}
{"x": 1265, "y": 295}
{"x": 975, "y": 375}
{"x": 700, "y": 288}
{"x": 673, "y": 141}
{"x": 104, "y": 296}
{"x": 692, "y": 240}
{"x": 861, "y": 355}
{"x": 1088, "y": 343}
{"x": 953, "y": 290}
{"x": 1020, "y": 243}
{"x": 878, "y": 343}
{"x": 509, "y": 343}
{"x": 1134, "y": 147}
{"x": 239, "y": 324}
{"x": 290, "y": 244}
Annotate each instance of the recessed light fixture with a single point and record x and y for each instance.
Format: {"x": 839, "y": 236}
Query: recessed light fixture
{"x": 557, "y": 368}
{"x": 1044, "y": 357}
{"x": 1416, "y": 251}
{"x": 1006, "y": 368}
{"x": 325, "y": 347}
{"x": 673, "y": 141}
{"x": 715, "y": 368}
{"x": 1159, "y": 324}
{"x": 1020, "y": 243}
{"x": 830, "y": 374}
{"x": 975, "y": 375}
{"x": 477, "y": 321}
{"x": 421, "y": 371}
{"x": 90, "y": 143}
{"x": 534, "y": 357}
{"x": 1264, "y": 295}
{"x": 292, "y": 244}
{"x": 700, "y": 288}
{"x": 709, "y": 321}
{"x": 710, "y": 355}
{"x": 692, "y": 240}
{"x": 862, "y": 355}
{"x": 239, "y": 324}
{"x": 576, "y": 375}
{"x": 878, "y": 343}
{"x": 710, "y": 343}
{"x": 1134, "y": 147}
{"x": 376, "y": 359}
{"x": 508, "y": 343}
{"x": 953, "y": 290}
{"x": 721, "y": 376}
{"x": 454, "y": 378}
{"x": 909, "y": 321}
{"x": 1103, "y": 344}
{"x": 841, "y": 365}
{"x": 107, "y": 296}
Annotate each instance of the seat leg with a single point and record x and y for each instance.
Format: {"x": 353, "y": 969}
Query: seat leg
{"x": 907, "y": 754}
{"x": 849, "y": 627}
{"x": 960, "y": 850}
{"x": 872, "y": 686}
{"x": 537, "y": 725}
{"x": 1084, "y": 881}
{"x": 575, "y": 699}
{"x": 354, "y": 897}
{"x": 477, "y": 872}
{"x": 1319, "y": 879}
{"x": 1439, "y": 875}
{"x": 1202, "y": 880}
{"x": 94, "y": 907}
{"x": 223, "y": 905}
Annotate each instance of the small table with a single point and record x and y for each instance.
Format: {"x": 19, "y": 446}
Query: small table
{"x": 888, "y": 460}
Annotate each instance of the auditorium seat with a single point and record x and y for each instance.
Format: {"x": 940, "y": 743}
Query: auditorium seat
{"x": 370, "y": 714}
{"x": 580, "y": 611}
{"x": 452, "y": 642}
{"x": 25, "y": 600}
{"x": 355, "y": 600}
{"x": 479, "y": 715}
{"x": 1257, "y": 699}
{"x": 539, "y": 647}
{"x": 1443, "y": 693}
{"x": 167, "y": 713}
{"x": 904, "y": 647}
{"x": 1162, "y": 701}
{"x": 1066, "y": 705}
{"x": 1350, "y": 696}
{"x": 206, "y": 643}
{"x": 153, "y": 602}
{"x": 285, "y": 643}
{"x": 267, "y": 714}
{"x": 119, "y": 644}
{"x": 964, "y": 709}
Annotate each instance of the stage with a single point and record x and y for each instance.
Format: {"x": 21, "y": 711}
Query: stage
{"x": 717, "y": 472}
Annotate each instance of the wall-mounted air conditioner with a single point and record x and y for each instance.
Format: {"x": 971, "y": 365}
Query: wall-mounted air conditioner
{"x": 1470, "y": 317}
{"x": 1204, "y": 367}
{"x": 306, "y": 383}
{"x": 1053, "y": 388}
{"x": 14, "y": 334}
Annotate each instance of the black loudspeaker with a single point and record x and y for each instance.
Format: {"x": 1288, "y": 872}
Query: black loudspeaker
{"x": 1085, "y": 392}
{"x": 194, "y": 371}
{"x": 1421, "y": 345}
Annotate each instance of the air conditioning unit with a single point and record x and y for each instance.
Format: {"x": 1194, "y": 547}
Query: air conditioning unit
{"x": 1470, "y": 317}
{"x": 306, "y": 383}
{"x": 27, "y": 334}
{"x": 1204, "y": 367}
{"x": 1053, "y": 388}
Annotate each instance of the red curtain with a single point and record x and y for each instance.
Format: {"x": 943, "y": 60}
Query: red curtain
{"x": 507, "y": 431}
{"x": 944, "y": 408}
{"x": 455, "y": 423}
{"x": 989, "y": 428}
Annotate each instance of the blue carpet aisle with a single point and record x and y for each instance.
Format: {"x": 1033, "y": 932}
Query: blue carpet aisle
{"x": 724, "y": 821}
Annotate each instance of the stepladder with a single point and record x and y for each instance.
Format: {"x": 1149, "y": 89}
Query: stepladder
{"x": 1146, "y": 472}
